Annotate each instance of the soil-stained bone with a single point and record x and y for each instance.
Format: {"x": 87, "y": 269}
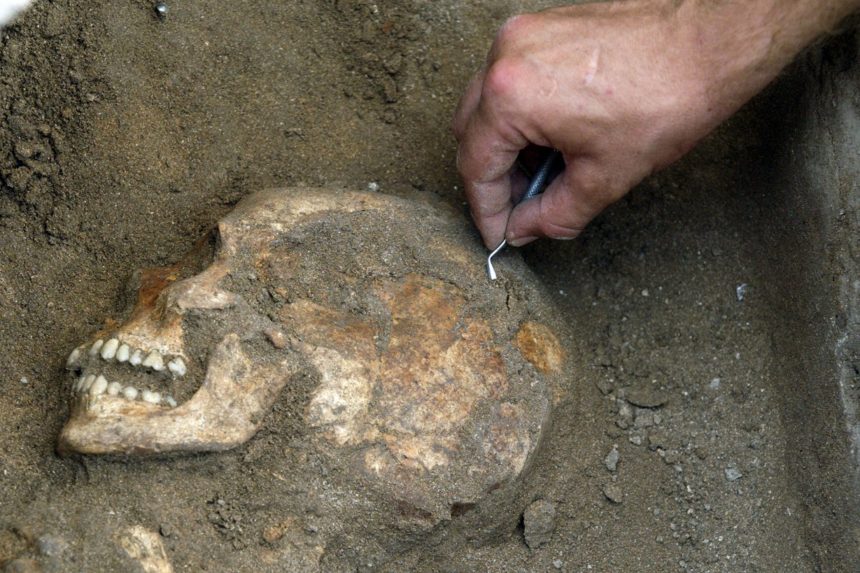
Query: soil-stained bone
{"x": 425, "y": 386}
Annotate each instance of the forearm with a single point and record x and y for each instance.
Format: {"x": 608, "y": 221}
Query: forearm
{"x": 742, "y": 45}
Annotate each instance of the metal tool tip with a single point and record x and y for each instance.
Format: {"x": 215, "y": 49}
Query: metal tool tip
{"x": 490, "y": 270}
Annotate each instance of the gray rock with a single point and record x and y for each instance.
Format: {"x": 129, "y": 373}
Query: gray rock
{"x": 625, "y": 415}
{"x": 611, "y": 460}
{"x": 51, "y": 545}
{"x": 644, "y": 418}
{"x": 539, "y": 523}
{"x": 613, "y": 492}
{"x": 733, "y": 474}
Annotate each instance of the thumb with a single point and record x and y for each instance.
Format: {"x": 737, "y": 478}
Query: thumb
{"x": 563, "y": 210}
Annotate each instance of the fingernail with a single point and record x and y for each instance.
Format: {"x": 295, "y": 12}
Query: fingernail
{"x": 519, "y": 242}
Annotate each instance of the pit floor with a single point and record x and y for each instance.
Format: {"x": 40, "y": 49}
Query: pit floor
{"x": 150, "y": 130}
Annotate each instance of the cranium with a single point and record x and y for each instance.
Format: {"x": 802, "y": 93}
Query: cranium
{"x": 405, "y": 366}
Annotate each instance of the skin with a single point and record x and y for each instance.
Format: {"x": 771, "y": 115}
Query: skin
{"x": 622, "y": 89}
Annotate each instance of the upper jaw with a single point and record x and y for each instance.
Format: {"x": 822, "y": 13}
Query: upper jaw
{"x": 224, "y": 412}
{"x": 109, "y": 370}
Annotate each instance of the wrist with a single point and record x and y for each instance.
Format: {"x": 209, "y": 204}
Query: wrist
{"x": 738, "y": 48}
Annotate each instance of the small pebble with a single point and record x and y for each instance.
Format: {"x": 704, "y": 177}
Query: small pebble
{"x": 715, "y": 384}
{"x": 161, "y": 10}
{"x": 557, "y": 563}
{"x": 373, "y": 186}
{"x": 51, "y": 546}
{"x": 24, "y": 380}
{"x": 613, "y": 492}
{"x": 611, "y": 460}
{"x": 539, "y": 523}
{"x": 732, "y": 474}
{"x": 741, "y": 291}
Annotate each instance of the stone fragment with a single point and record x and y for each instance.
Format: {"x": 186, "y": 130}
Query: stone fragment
{"x": 145, "y": 547}
{"x": 52, "y": 545}
{"x": 613, "y": 492}
{"x": 539, "y": 523}
{"x": 611, "y": 460}
{"x": 625, "y": 415}
{"x": 733, "y": 474}
{"x": 644, "y": 418}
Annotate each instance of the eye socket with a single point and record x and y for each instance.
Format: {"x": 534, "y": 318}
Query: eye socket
{"x": 200, "y": 256}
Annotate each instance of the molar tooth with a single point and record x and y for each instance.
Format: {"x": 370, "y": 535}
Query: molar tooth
{"x": 114, "y": 388}
{"x": 109, "y": 349}
{"x": 74, "y": 358}
{"x": 123, "y": 353}
{"x": 88, "y": 381}
{"x": 99, "y": 386}
{"x": 97, "y": 345}
{"x": 169, "y": 401}
{"x": 80, "y": 383}
{"x": 150, "y": 397}
{"x": 177, "y": 366}
{"x": 136, "y": 357}
{"x": 154, "y": 361}
{"x": 129, "y": 392}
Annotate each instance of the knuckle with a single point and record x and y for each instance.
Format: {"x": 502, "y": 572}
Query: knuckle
{"x": 503, "y": 79}
{"x": 514, "y": 28}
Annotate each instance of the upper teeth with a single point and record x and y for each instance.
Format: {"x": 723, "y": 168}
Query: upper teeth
{"x": 136, "y": 357}
{"x": 96, "y": 347}
{"x": 93, "y": 385}
{"x": 123, "y": 353}
{"x": 109, "y": 349}
{"x": 177, "y": 366}
{"x": 154, "y": 361}
{"x": 74, "y": 358}
{"x": 113, "y": 349}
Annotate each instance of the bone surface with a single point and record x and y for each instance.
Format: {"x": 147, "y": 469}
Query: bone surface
{"x": 415, "y": 382}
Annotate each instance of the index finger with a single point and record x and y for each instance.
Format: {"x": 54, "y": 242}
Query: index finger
{"x": 486, "y": 159}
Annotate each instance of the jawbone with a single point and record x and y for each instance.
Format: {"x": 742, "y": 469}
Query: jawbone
{"x": 224, "y": 412}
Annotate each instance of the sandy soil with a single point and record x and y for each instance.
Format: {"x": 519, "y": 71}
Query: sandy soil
{"x": 126, "y": 136}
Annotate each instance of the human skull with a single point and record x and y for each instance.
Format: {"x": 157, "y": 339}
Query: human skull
{"x": 407, "y": 368}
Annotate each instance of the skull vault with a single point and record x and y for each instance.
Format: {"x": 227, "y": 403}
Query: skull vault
{"x": 424, "y": 387}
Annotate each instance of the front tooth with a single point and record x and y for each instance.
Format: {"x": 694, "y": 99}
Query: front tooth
{"x": 74, "y": 358}
{"x": 177, "y": 366}
{"x": 88, "y": 381}
{"x": 97, "y": 345}
{"x": 136, "y": 357}
{"x": 129, "y": 392}
{"x": 114, "y": 388}
{"x": 99, "y": 386}
{"x": 123, "y": 353}
{"x": 109, "y": 349}
{"x": 154, "y": 361}
{"x": 169, "y": 401}
{"x": 150, "y": 397}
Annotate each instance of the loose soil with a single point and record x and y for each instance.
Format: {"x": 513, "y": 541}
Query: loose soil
{"x": 125, "y": 137}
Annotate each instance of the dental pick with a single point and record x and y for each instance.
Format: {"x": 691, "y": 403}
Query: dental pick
{"x": 536, "y": 186}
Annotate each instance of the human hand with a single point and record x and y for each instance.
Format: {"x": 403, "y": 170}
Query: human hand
{"x": 616, "y": 87}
